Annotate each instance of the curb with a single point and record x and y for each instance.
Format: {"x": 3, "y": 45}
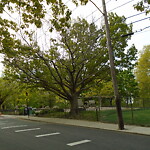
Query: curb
{"x": 104, "y": 126}
{"x": 89, "y": 124}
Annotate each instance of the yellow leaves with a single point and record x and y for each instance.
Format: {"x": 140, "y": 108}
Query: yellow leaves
{"x": 143, "y": 71}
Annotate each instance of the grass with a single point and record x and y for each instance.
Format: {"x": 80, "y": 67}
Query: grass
{"x": 141, "y": 117}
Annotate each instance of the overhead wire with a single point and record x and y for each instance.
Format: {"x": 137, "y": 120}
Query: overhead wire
{"x": 96, "y": 10}
{"x": 134, "y": 15}
{"x": 140, "y": 30}
{"x": 67, "y": 2}
{"x": 139, "y": 20}
{"x": 121, "y": 5}
{"x": 115, "y": 8}
{"x": 137, "y": 31}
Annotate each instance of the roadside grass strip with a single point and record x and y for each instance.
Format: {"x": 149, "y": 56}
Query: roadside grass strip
{"x": 9, "y": 127}
{"x": 79, "y": 142}
{"x": 24, "y": 130}
{"x": 43, "y": 135}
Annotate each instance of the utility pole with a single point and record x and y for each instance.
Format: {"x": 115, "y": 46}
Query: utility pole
{"x": 112, "y": 69}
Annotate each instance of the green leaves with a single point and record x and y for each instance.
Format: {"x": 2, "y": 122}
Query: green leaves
{"x": 82, "y": 2}
{"x": 127, "y": 84}
{"x": 124, "y": 58}
{"x": 143, "y": 5}
{"x": 143, "y": 72}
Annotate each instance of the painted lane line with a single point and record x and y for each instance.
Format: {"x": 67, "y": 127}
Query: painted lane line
{"x": 13, "y": 126}
{"x": 79, "y": 142}
{"x": 28, "y": 130}
{"x": 47, "y": 134}
{"x": 2, "y": 123}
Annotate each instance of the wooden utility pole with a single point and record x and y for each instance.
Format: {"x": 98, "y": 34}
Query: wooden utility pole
{"x": 112, "y": 68}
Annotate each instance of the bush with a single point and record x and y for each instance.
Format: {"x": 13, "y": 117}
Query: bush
{"x": 57, "y": 110}
{"x": 21, "y": 111}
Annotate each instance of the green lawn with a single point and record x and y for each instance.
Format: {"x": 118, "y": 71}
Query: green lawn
{"x": 141, "y": 117}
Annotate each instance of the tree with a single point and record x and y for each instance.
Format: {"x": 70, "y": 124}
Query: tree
{"x": 143, "y": 72}
{"x": 125, "y": 59}
{"x": 8, "y": 90}
{"x": 128, "y": 86}
{"x": 34, "y": 13}
{"x": 35, "y": 97}
{"x": 72, "y": 62}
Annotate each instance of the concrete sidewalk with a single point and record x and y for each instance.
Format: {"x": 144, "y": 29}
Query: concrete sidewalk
{"x": 90, "y": 124}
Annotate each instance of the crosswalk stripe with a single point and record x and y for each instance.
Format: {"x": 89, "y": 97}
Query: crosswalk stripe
{"x": 13, "y": 126}
{"x": 47, "y": 134}
{"x": 28, "y": 130}
{"x": 79, "y": 142}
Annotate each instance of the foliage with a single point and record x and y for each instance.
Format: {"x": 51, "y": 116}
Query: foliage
{"x": 8, "y": 92}
{"x": 34, "y": 11}
{"x": 72, "y": 62}
{"x": 107, "y": 89}
{"x": 13, "y": 95}
{"x": 143, "y": 72}
{"x": 127, "y": 84}
{"x": 125, "y": 59}
{"x": 66, "y": 74}
{"x": 143, "y": 5}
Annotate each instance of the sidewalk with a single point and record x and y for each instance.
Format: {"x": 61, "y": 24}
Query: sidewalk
{"x": 90, "y": 124}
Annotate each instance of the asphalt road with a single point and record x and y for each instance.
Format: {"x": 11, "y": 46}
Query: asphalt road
{"x": 18, "y": 134}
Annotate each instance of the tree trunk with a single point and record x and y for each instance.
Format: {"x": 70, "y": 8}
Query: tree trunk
{"x": 74, "y": 105}
{"x": 119, "y": 112}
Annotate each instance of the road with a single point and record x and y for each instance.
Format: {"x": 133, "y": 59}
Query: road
{"x": 18, "y": 134}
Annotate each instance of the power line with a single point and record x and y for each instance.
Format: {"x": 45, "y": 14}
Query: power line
{"x": 114, "y": 9}
{"x": 137, "y": 31}
{"x": 139, "y": 20}
{"x": 143, "y": 32}
{"x": 140, "y": 30}
{"x": 67, "y": 2}
{"x": 134, "y": 15}
{"x": 110, "y": 10}
{"x": 96, "y": 10}
{"x": 121, "y": 5}
{"x": 91, "y": 13}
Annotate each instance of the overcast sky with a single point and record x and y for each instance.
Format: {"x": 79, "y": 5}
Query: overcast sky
{"x": 121, "y": 7}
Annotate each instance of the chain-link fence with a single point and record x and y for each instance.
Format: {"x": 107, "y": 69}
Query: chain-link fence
{"x": 135, "y": 112}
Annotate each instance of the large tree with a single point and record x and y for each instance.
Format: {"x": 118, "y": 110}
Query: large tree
{"x": 72, "y": 62}
{"x": 34, "y": 12}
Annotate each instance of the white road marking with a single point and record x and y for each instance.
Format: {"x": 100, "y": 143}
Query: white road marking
{"x": 2, "y": 123}
{"x": 47, "y": 134}
{"x": 13, "y": 126}
{"x": 79, "y": 142}
{"x": 27, "y": 130}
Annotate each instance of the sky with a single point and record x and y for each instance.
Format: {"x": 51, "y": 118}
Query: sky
{"x": 141, "y": 22}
